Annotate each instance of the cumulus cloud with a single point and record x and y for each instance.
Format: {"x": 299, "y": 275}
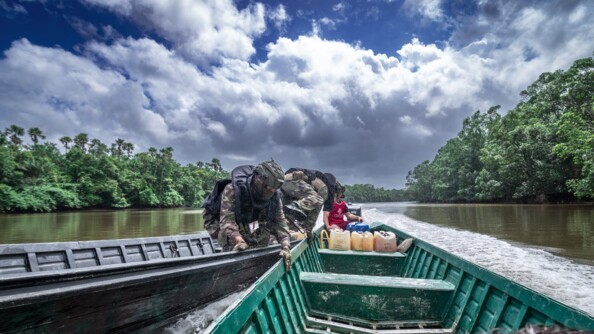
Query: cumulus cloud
{"x": 200, "y": 30}
{"x": 313, "y": 102}
{"x": 279, "y": 17}
{"x": 429, "y": 9}
{"x": 55, "y": 90}
{"x": 518, "y": 41}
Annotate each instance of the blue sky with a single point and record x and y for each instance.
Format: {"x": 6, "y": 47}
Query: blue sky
{"x": 363, "y": 89}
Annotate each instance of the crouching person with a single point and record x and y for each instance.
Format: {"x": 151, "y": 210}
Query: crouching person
{"x": 249, "y": 209}
{"x": 305, "y": 191}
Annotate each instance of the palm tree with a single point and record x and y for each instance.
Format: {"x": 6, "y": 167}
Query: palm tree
{"x": 215, "y": 164}
{"x": 152, "y": 152}
{"x": 167, "y": 153}
{"x": 81, "y": 140}
{"x": 35, "y": 135}
{"x": 96, "y": 147}
{"x": 129, "y": 148}
{"x": 15, "y": 132}
{"x": 116, "y": 148}
{"x": 66, "y": 141}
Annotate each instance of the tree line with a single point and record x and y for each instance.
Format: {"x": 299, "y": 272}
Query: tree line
{"x": 37, "y": 176}
{"x": 540, "y": 151}
{"x": 364, "y": 193}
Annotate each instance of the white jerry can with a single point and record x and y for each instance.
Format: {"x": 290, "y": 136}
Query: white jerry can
{"x": 384, "y": 241}
{"x": 340, "y": 240}
{"x": 362, "y": 241}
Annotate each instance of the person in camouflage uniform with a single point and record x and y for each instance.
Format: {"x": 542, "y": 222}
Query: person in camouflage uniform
{"x": 251, "y": 210}
{"x": 304, "y": 190}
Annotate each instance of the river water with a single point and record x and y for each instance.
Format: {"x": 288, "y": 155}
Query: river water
{"x": 97, "y": 225}
{"x": 564, "y": 230}
{"x": 548, "y": 248}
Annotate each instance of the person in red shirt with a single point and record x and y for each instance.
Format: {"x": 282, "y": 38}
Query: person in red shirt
{"x": 335, "y": 218}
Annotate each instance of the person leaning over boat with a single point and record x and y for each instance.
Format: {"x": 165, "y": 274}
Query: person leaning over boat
{"x": 251, "y": 197}
{"x": 335, "y": 217}
{"x": 304, "y": 192}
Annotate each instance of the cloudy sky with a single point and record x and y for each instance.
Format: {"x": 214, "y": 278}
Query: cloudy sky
{"x": 363, "y": 89}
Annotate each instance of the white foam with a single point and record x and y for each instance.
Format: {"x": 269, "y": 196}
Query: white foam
{"x": 562, "y": 279}
{"x": 198, "y": 320}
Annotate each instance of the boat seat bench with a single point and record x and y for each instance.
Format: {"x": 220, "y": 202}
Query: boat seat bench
{"x": 366, "y": 299}
{"x": 316, "y": 325}
{"x": 362, "y": 263}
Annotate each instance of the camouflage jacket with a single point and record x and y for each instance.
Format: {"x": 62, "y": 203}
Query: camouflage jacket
{"x": 230, "y": 227}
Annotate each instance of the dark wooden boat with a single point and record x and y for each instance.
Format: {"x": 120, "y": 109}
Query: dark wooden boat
{"x": 426, "y": 290}
{"x": 118, "y": 285}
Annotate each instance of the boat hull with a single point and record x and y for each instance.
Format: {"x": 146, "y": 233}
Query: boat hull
{"x": 122, "y": 297}
{"x": 430, "y": 291}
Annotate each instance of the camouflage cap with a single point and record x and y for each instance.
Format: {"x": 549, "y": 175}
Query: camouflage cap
{"x": 271, "y": 173}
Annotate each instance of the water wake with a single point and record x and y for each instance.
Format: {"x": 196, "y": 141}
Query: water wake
{"x": 562, "y": 279}
{"x": 198, "y": 320}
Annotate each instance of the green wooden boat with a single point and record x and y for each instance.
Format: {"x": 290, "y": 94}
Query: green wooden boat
{"x": 426, "y": 290}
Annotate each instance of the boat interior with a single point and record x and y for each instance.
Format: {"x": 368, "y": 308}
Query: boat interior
{"x": 425, "y": 290}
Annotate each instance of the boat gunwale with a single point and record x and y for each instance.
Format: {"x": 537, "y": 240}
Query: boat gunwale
{"x": 253, "y": 295}
{"x": 24, "y": 278}
{"x": 63, "y": 245}
{"x": 113, "y": 269}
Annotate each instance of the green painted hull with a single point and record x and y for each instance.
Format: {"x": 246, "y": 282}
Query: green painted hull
{"x": 426, "y": 290}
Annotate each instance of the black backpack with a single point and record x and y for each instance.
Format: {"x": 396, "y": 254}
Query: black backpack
{"x": 212, "y": 202}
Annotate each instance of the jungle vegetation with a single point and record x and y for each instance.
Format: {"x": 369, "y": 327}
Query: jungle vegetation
{"x": 37, "y": 176}
{"x": 364, "y": 193}
{"x": 540, "y": 151}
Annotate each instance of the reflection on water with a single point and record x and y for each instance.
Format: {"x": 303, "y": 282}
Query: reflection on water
{"x": 97, "y": 225}
{"x": 566, "y": 230}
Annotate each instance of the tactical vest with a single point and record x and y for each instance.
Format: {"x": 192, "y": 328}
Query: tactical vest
{"x": 247, "y": 208}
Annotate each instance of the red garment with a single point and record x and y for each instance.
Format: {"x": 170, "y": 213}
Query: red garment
{"x": 336, "y": 216}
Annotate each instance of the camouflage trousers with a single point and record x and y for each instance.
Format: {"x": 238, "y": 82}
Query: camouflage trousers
{"x": 306, "y": 197}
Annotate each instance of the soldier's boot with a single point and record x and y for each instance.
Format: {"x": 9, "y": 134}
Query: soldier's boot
{"x": 295, "y": 211}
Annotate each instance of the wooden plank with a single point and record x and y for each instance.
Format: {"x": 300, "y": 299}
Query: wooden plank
{"x": 376, "y": 281}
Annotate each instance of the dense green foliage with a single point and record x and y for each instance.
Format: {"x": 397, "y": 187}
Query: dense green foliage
{"x": 38, "y": 177}
{"x": 364, "y": 193}
{"x": 541, "y": 150}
